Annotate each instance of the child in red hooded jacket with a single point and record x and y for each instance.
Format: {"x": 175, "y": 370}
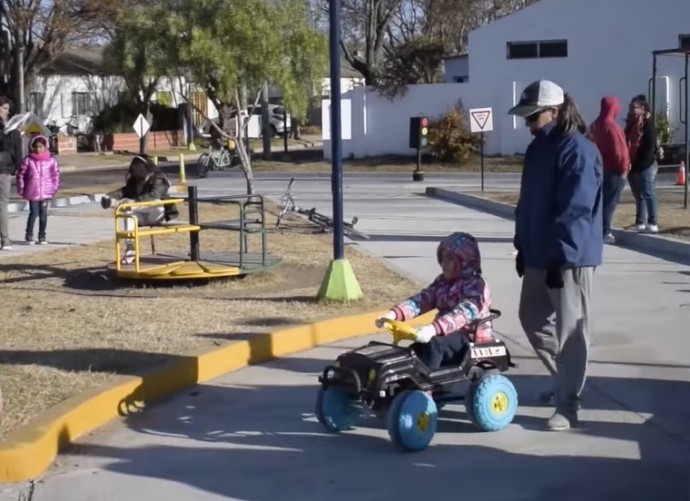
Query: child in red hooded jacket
{"x": 38, "y": 179}
{"x": 461, "y": 296}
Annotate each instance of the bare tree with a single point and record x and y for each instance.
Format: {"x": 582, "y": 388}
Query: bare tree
{"x": 36, "y": 32}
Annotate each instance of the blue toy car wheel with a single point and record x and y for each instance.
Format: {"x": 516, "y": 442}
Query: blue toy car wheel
{"x": 335, "y": 410}
{"x": 491, "y": 402}
{"x": 412, "y": 420}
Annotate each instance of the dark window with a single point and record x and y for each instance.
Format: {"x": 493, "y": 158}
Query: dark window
{"x": 684, "y": 41}
{"x": 553, "y": 49}
{"x": 36, "y": 103}
{"x": 84, "y": 103}
{"x": 522, "y": 50}
{"x": 539, "y": 49}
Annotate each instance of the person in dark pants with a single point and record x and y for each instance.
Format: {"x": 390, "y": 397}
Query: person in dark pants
{"x": 610, "y": 139}
{"x": 640, "y": 133}
{"x": 38, "y": 180}
{"x": 461, "y": 296}
{"x": 10, "y": 159}
{"x": 559, "y": 240}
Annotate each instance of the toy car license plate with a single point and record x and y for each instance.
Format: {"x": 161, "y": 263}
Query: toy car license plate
{"x": 488, "y": 351}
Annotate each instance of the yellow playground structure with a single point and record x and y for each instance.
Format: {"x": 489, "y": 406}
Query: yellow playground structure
{"x": 197, "y": 264}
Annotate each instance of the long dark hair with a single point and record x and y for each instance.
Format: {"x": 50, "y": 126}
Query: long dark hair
{"x": 140, "y": 169}
{"x": 569, "y": 118}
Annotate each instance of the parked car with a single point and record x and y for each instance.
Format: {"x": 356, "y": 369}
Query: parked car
{"x": 277, "y": 119}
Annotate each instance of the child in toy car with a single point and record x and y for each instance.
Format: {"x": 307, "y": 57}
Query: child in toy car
{"x": 462, "y": 297}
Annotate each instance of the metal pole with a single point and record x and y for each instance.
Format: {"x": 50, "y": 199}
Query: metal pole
{"x": 687, "y": 133}
{"x": 192, "y": 202}
{"x": 336, "y": 149}
{"x": 20, "y": 75}
{"x": 481, "y": 156}
{"x": 653, "y": 96}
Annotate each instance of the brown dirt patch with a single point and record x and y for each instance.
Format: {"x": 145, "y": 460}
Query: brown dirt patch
{"x": 674, "y": 220}
{"x": 70, "y": 326}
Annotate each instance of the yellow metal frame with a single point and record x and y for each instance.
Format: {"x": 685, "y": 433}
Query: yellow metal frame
{"x": 135, "y": 234}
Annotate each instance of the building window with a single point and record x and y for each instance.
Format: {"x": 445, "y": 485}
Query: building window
{"x": 684, "y": 42}
{"x": 84, "y": 104}
{"x": 539, "y": 49}
{"x": 35, "y": 103}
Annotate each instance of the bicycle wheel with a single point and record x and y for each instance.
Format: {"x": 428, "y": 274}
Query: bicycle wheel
{"x": 202, "y": 165}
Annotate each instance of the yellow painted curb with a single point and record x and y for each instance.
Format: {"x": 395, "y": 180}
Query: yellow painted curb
{"x": 27, "y": 452}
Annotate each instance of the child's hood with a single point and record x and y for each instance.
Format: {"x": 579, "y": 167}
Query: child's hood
{"x": 465, "y": 249}
{"x": 36, "y": 156}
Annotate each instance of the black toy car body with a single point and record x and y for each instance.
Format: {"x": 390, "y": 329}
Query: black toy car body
{"x": 386, "y": 379}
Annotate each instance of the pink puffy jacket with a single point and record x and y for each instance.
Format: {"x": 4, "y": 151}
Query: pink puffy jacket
{"x": 38, "y": 177}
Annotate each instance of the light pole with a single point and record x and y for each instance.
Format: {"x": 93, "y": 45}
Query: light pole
{"x": 340, "y": 282}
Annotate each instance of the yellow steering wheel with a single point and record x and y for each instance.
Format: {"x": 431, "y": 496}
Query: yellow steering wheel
{"x": 400, "y": 330}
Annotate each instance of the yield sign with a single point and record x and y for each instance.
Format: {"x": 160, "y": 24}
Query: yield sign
{"x": 481, "y": 120}
{"x": 141, "y": 126}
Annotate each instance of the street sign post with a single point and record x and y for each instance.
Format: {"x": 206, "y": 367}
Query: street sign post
{"x": 141, "y": 128}
{"x": 481, "y": 121}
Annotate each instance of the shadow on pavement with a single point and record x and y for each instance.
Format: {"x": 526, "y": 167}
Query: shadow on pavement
{"x": 262, "y": 442}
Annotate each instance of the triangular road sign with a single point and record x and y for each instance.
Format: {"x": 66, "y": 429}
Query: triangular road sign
{"x": 481, "y": 117}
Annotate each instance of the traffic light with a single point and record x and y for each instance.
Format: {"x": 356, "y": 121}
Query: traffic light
{"x": 419, "y": 132}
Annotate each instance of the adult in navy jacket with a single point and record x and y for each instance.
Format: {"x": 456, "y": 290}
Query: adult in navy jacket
{"x": 559, "y": 239}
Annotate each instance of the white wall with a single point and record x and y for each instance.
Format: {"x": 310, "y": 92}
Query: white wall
{"x": 379, "y": 126}
{"x": 610, "y": 44}
{"x": 456, "y": 67}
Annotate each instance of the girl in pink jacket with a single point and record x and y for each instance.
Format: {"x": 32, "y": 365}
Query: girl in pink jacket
{"x": 38, "y": 179}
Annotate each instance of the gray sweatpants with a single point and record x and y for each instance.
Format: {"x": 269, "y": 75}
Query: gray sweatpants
{"x": 557, "y": 323}
{"x": 5, "y": 188}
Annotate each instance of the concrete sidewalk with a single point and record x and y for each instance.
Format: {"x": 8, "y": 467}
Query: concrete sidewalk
{"x": 252, "y": 434}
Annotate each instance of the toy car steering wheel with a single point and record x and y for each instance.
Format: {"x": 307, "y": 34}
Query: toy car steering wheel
{"x": 400, "y": 330}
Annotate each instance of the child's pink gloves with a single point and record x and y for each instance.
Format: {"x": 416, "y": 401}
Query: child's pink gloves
{"x": 388, "y": 316}
{"x": 425, "y": 334}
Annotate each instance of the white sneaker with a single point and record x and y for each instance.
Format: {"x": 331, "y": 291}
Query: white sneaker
{"x": 128, "y": 256}
{"x": 609, "y": 239}
{"x": 636, "y": 227}
{"x": 651, "y": 228}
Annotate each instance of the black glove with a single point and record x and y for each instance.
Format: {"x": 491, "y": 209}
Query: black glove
{"x": 519, "y": 264}
{"x": 554, "y": 278}
{"x": 106, "y": 202}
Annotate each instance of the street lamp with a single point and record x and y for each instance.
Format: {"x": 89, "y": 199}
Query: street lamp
{"x": 340, "y": 282}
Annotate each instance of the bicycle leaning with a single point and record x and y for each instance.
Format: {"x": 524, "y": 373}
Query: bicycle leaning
{"x": 217, "y": 159}
{"x": 322, "y": 221}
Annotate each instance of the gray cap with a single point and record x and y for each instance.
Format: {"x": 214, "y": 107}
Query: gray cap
{"x": 538, "y": 96}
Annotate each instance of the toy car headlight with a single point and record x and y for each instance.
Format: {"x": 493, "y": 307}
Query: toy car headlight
{"x": 371, "y": 377}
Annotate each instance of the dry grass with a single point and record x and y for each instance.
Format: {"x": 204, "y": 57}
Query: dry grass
{"x": 674, "y": 220}
{"x": 71, "y": 326}
{"x": 392, "y": 164}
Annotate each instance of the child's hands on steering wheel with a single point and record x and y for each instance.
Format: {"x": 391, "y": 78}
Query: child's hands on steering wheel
{"x": 381, "y": 321}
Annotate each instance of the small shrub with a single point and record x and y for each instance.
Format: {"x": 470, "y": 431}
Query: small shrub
{"x": 450, "y": 139}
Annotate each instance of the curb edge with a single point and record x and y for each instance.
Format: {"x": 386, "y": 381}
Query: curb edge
{"x": 29, "y": 451}
{"x": 654, "y": 245}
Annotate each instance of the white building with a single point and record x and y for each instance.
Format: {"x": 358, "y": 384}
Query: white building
{"x": 590, "y": 47}
{"x": 76, "y": 87}
{"x": 456, "y": 69}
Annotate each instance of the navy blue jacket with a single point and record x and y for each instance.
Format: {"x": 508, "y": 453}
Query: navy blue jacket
{"x": 558, "y": 218}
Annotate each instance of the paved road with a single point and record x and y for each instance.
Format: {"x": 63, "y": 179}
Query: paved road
{"x": 464, "y": 180}
{"x": 252, "y": 435}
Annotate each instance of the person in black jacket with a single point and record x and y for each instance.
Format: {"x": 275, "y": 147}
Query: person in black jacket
{"x": 10, "y": 159}
{"x": 145, "y": 182}
{"x": 640, "y": 134}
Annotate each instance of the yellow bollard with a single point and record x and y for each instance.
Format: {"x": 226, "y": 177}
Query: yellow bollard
{"x": 192, "y": 146}
{"x": 183, "y": 174}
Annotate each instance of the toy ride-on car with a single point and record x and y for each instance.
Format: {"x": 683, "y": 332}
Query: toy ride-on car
{"x": 388, "y": 380}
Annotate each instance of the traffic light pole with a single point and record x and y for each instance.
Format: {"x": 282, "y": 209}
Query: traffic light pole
{"x": 418, "y": 174}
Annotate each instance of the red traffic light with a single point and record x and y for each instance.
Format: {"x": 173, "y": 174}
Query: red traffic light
{"x": 425, "y": 122}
